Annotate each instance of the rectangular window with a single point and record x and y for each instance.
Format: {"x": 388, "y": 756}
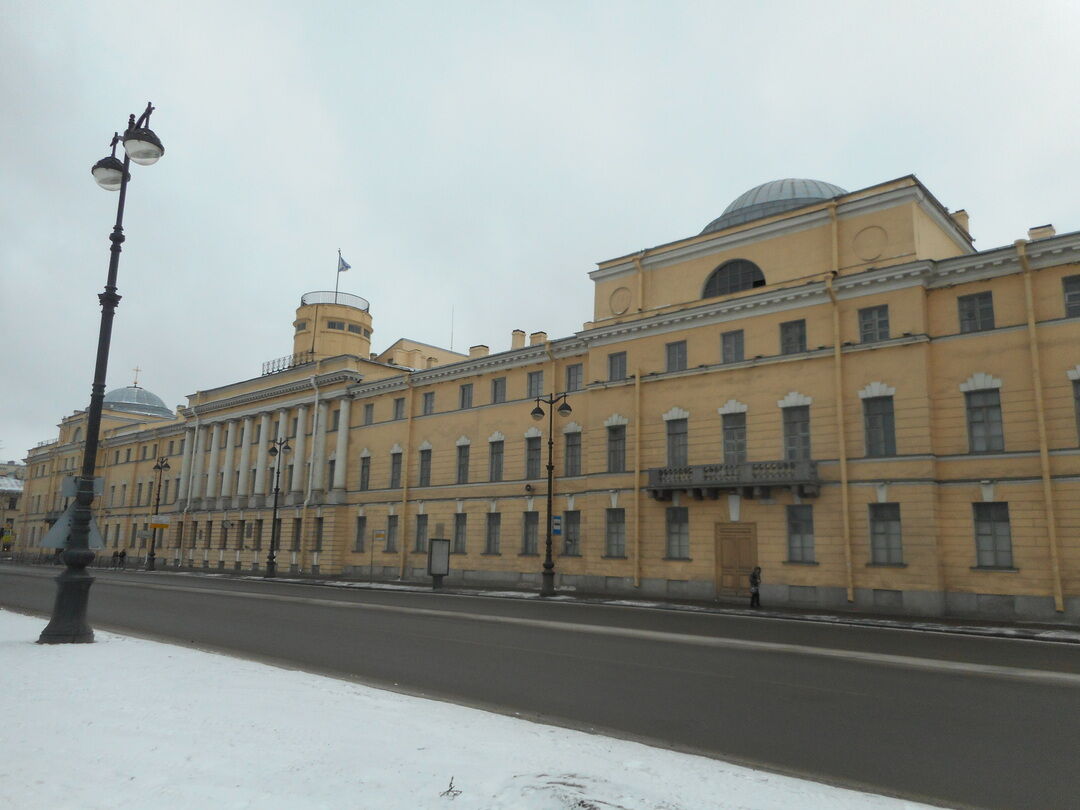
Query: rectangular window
{"x": 575, "y": 377}
{"x": 335, "y": 420}
{"x": 365, "y": 473}
{"x": 460, "y": 532}
{"x": 534, "y": 384}
{"x": 425, "y": 468}
{"x": 318, "y": 534}
{"x": 293, "y": 425}
{"x": 879, "y": 426}
{"x": 369, "y": 413}
{"x": 993, "y": 536}
{"x": 395, "y": 470}
{"x": 874, "y": 324}
{"x": 532, "y": 457}
{"x": 494, "y": 529}
{"x": 734, "y": 427}
{"x": 331, "y": 465}
{"x": 572, "y": 533}
{"x": 615, "y": 533}
{"x": 678, "y": 533}
{"x": 793, "y": 337}
{"x": 985, "y": 432}
{"x": 465, "y": 396}
{"x": 676, "y": 356}
{"x": 355, "y": 329}
{"x": 800, "y": 527}
{"x": 572, "y": 456}
{"x": 429, "y": 402}
{"x": 1076, "y": 407}
{"x": 138, "y": 495}
{"x": 616, "y": 364}
{"x": 127, "y": 454}
{"x": 338, "y": 325}
{"x": 399, "y": 407}
{"x": 797, "y": 433}
{"x": 976, "y": 312}
{"x": 165, "y": 490}
{"x": 677, "y": 443}
{"x": 495, "y": 461}
{"x": 170, "y": 447}
{"x": 421, "y": 533}
{"x": 358, "y": 543}
{"x": 391, "y": 532}
{"x": 530, "y": 533}
{"x": 498, "y": 390}
{"x": 256, "y": 540}
{"x": 616, "y": 448}
{"x": 463, "y": 464}
{"x": 885, "y": 543}
{"x": 731, "y": 346}
{"x": 297, "y": 532}
{"x": 1072, "y": 295}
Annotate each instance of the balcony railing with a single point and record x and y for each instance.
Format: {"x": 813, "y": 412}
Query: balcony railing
{"x": 330, "y": 297}
{"x": 287, "y": 362}
{"x": 749, "y": 477}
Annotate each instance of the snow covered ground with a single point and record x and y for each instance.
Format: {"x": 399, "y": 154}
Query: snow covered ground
{"x": 128, "y": 723}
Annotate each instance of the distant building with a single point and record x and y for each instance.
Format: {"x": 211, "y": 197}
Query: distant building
{"x": 833, "y": 385}
{"x": 14, "y": 469}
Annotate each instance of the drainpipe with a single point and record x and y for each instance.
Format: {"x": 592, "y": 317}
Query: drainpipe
{"x": 311, "y": 469}
{"x": 1040, "y": 419}
{"x": 406, "y": 453}
{"x": 637, "y": 477}
{"x": 838, "y": 399}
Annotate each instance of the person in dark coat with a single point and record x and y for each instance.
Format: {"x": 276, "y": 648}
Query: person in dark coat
{"x": 755, "y": 587}
{"x": 123, "y": 558}
{"x": 116, "y": 559}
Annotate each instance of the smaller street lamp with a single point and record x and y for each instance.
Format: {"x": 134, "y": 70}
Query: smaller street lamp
{"x": 277, "y": 447}
{"x": 547, "y": 584}
{"x": 161, "y": 466}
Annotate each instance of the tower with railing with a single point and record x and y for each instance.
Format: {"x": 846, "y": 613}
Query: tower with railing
{"x": 332, "y": 323}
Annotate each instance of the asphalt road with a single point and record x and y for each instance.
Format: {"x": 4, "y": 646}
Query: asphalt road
{"x": 946, "y": 719}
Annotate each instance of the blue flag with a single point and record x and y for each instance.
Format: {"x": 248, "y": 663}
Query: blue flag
{"x": 342, "y": 265}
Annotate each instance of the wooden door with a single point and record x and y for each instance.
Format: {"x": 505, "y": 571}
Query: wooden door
{"x": 736, "y": 556}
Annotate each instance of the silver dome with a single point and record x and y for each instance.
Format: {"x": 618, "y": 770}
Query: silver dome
{"x": 771, "y": 198}
{"x": 133, "y": 399}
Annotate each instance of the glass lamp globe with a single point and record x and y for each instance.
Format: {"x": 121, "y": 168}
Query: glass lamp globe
{"x": 109, "y": 173}
{"x": 143, "y": 146}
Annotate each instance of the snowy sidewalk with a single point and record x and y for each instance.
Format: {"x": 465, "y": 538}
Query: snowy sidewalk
{"x": 128, "y": 723}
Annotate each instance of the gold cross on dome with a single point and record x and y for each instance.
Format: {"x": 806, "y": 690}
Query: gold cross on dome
{"x": 136, "y": 370}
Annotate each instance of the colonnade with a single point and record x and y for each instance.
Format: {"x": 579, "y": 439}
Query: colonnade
{"x": 216, "y": 475}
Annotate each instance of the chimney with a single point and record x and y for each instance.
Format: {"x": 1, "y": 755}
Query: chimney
{"x": 478, "y": 351}
{"x": 432, "y": 362}
{"x": 537, "y": 337}
{"x": 1041, "y": 232}
{"x": 961, "y": 218}
{"x": 517, "y": 339}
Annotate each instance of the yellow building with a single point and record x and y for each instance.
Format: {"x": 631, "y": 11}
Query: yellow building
{"x": 834, "y": 386}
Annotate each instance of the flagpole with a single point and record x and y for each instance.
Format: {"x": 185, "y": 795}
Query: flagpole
{"x": 337, "y": 275}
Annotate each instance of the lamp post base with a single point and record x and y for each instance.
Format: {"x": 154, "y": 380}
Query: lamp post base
{"x": 271, "y": 570}
{"x": 547, "y": 583}
{"x": 150, "y": 561}
{"x": 68, "y": 624}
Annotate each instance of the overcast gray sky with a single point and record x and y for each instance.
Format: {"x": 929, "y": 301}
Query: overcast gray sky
{"x": 480, "y": 156}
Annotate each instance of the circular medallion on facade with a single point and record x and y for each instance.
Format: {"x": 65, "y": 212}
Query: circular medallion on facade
{"x": 869, "y": 243}
{"x": 620, "y": 301}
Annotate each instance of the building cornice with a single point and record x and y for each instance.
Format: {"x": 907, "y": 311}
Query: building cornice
{"x": 347, "y": 376}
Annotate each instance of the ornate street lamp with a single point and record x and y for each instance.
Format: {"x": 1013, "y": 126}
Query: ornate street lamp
{"x": 160, "y": 467}
{"x": 68, "y": 623}
{"x": 547, "y": 582}
{"x": 277, "y": 447}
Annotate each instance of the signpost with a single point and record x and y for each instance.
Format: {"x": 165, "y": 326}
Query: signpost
{"x": 556, "y": 524}
{"x": 438, "y": 561}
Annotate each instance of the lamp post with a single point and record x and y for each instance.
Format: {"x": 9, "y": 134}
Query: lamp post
{"x": 68, "y": 623}
{"x": 547, "y": 582}
{"x": 160, "y": 467}
{"x": 277, "y": 447}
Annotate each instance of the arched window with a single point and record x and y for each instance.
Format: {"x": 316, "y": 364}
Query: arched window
{"x": 733, "y": 276}
{"x": 78, "y": 434}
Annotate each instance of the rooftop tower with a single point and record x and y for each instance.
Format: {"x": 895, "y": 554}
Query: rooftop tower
{"x": 329, "y": 324}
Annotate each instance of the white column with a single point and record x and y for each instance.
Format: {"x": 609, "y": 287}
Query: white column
{"x": 318, "y": 448}
{"x": 227, "y": 467}
{"x": 212, "y": 464}
{"x": 260, "y": 454}
{"x": 299, "y": 450}
{"x": 196, "y": 462}
{"x": 341, "y": 452}
{"x": 245, "y": 456}
{"x": 185, "y": 464}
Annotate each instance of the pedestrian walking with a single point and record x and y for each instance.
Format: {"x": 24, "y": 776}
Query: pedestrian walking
{"x": 755, "y": 587}
{"x": 115, "y": 559}
{"x": 123, "y": 559}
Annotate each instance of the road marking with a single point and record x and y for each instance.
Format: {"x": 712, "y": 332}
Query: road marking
{"x": 1043, "y": 677}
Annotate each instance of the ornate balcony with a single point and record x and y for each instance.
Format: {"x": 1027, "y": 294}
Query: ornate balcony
{"x": 752, "y": 479}
{"x": 287, "y": 362}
